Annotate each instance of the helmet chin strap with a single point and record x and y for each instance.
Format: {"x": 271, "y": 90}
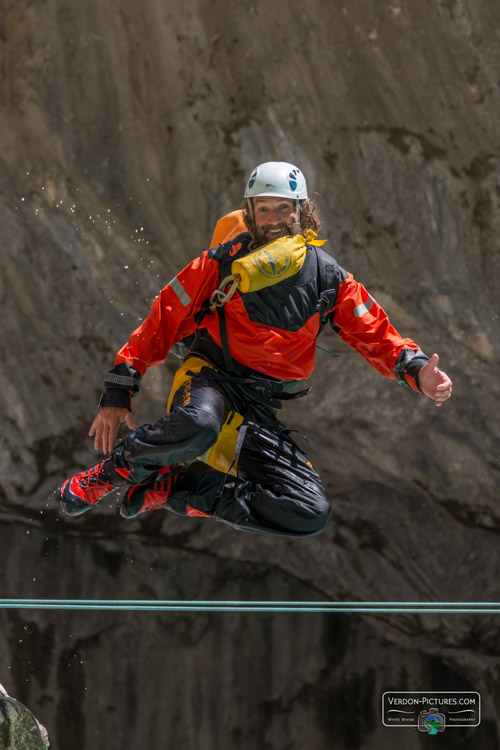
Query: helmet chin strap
{"x": 296, "y": 228}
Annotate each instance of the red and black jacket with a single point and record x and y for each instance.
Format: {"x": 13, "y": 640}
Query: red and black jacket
{"x": 271, "y": 332}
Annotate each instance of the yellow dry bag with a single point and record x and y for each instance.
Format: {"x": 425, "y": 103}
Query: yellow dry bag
{"x": 274, "y": 262}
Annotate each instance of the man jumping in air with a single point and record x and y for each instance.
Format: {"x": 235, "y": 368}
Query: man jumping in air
{"x": 252, "y": 307}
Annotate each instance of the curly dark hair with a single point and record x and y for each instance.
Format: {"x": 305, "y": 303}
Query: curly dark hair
{"x": 309, "y": 218}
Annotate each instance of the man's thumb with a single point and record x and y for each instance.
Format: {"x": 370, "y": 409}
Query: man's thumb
{"x": 433, "y": 362}
{"x": 129, "y": 421}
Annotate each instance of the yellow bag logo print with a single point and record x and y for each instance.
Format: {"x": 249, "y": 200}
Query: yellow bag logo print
{"x": 275, "y": 264}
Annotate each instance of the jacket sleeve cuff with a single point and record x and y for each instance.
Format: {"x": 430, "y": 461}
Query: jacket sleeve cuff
{"x": 123, "y": 376}
{"x": 121, "y": 383}
{"x": 407, "y": 367}
{"x": 116, "y": 397}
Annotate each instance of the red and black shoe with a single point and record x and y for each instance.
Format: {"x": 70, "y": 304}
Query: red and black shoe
{"x": 82, "y": 491}
{"x": 152, "y": 495}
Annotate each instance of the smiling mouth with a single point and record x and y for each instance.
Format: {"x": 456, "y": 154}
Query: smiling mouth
{"x": 268, "y": 233}
{"x": 283, "y": 229}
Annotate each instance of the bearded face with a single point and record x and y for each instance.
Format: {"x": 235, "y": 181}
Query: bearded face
{"x": 275, "y": 217}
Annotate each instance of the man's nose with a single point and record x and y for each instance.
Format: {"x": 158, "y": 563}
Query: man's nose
{"x": 274, "y": 216}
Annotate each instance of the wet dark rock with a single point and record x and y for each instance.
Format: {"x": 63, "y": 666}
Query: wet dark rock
{"x": 126, "y": 130}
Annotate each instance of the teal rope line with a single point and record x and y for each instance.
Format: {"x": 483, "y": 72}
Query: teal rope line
{"x": 332, "y": 354}
{"x": 137, "y": 605}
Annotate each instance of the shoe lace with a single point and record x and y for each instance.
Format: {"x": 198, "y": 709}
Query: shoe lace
{"x": 92, "y": 479}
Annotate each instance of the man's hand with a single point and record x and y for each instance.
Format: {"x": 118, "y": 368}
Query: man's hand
{"x": 106, "y": 425}
{"x": 434, "y": 382}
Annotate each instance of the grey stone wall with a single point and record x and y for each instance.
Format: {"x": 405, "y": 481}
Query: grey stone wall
{"x": 126, "y": 130}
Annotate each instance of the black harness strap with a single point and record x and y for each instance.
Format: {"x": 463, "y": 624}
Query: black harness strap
{"x": 228, "y": 360}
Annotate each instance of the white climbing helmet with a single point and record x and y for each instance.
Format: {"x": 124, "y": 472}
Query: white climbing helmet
{"x": 278, "y": 179}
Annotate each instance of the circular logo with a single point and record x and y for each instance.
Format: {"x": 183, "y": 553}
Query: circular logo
{"x": 273, "y": 264}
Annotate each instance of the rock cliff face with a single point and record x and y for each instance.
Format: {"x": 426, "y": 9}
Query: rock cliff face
{"x": 126, "y": 130}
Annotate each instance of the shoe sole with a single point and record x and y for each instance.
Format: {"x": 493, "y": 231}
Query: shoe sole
{"x": 72, "y": 507}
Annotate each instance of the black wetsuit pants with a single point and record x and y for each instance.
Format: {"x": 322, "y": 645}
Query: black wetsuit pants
{"x": 277, "y": 491}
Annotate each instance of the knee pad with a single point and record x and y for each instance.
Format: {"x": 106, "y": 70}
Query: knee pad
{"x": 205, "y": 428}
{"x": 322, "y": 515}
{"x": 311, "y": 506}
